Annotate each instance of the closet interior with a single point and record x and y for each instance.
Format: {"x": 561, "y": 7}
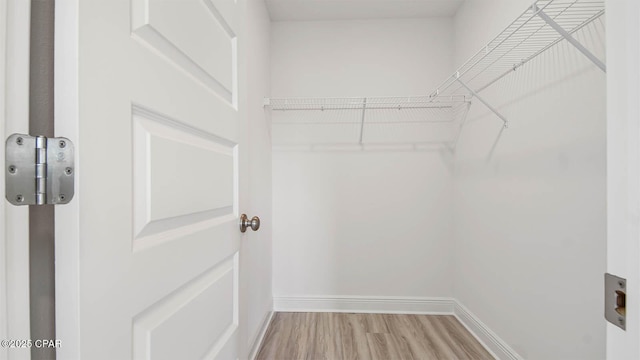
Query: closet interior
{"x": 404, "y": 182}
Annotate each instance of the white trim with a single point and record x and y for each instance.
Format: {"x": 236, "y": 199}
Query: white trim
{"x": 259, "y": 337}
{"x": 492, "y": 342}
{"x": 67, "y": 249}
{"x": 15, "y": 15}
{"x": 3, "y": 253}
{"x": 623, "y": 167}
{"x": 365, "y": 304}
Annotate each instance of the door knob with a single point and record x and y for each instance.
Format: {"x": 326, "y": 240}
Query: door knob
{"x": 254, "y": 223}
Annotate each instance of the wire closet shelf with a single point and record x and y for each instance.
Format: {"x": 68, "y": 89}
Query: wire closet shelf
{"x": 544, "y": 24}
{"x": 541, "y": 26}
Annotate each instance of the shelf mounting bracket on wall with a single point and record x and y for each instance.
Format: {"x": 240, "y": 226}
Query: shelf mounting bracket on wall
{"x": 475, "y": 94}
{"x": 565, "y": 34}
{"x": 364, "y": 109}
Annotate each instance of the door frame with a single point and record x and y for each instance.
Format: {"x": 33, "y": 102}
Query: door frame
{"x": 67, "y": 226}
{"x": 14, "y": 241}
{"x": 623, "y": 167}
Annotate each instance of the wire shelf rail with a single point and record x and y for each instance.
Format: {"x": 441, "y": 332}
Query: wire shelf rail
{"x": 366, "y": 103}
{"x": 364, "y": 115}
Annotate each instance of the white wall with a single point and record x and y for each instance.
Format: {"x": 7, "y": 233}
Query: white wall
{"x": 623, "y": 167}
{"x": 361, "y": 223}
{"x": 256, "y": 248}
{"x": 530, "y": 201}
{"x": 366, "y": 224}
{"x": 359, "y": 57}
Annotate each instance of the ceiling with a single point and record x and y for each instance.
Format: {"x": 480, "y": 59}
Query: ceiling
{"x": 288, "y": 10}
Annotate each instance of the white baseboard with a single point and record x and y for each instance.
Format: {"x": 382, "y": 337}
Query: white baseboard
{"x": 257, "y": 341}
{"x": 496, "y": 346}
{"x": 364, "y": 304}
{"x": 400, "y": 305}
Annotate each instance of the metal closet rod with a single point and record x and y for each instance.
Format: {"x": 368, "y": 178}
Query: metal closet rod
{"x": 363, "y": 106}
{"x": 358, "y": 103}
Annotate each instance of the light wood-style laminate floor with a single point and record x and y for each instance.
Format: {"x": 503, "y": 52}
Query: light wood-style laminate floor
{"x": 338, "y": 336}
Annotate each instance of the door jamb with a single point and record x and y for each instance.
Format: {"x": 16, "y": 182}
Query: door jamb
{"x": 67, "y": 226}
{"x": 14, "y": 110}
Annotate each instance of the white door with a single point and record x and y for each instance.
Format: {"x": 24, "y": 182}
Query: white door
{"x": 14, "y": 221}
{"x": 147, "y": 252}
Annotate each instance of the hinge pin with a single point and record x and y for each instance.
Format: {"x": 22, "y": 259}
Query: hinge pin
{"x": 41, "y": 170}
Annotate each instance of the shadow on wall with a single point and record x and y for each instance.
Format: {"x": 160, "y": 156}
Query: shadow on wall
{"x": 560, "y": 65}
{"x": 442, "y": 149}
{"x": 401, "y": 130}
{"x": 530, "y": 204}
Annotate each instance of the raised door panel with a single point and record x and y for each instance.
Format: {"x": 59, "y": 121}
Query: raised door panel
{"x": 183, "y": 179}
{"x": 207, "y": 307}
{"x": 177, "y": 28}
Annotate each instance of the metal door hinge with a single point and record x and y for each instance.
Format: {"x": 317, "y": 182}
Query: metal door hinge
{"x": 38, "y": 170}
{"x": 615, "y": 300}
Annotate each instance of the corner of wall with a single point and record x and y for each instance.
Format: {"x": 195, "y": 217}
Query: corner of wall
{"x": 490, "y": 340}
{"x": 258, "y": 338}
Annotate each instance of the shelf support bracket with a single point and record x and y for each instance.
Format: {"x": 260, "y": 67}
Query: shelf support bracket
{"x": 569, "y": 38}
{"x": 463, "y": 121}
{"x": 475, "y": 94}
{"x": 364, "y": 109}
